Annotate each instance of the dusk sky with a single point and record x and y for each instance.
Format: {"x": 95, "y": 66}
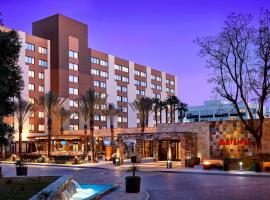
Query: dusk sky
{"x": 153, "y": 33}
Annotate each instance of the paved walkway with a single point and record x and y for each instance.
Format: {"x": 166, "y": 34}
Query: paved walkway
{"x": 165, "y": 186}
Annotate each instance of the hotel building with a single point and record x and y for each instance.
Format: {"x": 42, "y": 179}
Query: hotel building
{"x": 57, "y": 57}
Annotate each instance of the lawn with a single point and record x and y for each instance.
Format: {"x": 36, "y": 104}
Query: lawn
{"x": 23, "y": 187}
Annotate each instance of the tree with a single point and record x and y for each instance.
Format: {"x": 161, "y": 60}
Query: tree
{"x": 51, "y": 104}
{"x": 157, "y": 108}
{"x": 11, "y": 83}
{"x": 143, "y": 106}
{"x": 63, "y": 115}
{"x": 93, "y": 103}
{"x": 84, "y": 111}
{"x": 172, "y": 102}
{"x": 239, "y": 57}
{"x": 22, "y": 109}
{"x": 111, "y": 112}
{"x": 182, "y": 108}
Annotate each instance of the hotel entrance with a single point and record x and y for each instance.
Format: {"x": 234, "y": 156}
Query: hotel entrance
{"x": 163, "y": 146}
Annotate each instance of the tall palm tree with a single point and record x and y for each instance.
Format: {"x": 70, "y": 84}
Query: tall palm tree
{"x": 51, "y": 103}
{"x": 93, "y": 102}
{"x": 143, "y": 106}
{"x": 63, "y": 115}
{"x": 172, "y": 101}
{"x": 157, "y": 108}
{"x": 84, "y": 112}
{"x": 165, "y": 106}
{"x": 182, "y": 108}
{"x": 111, "y": 112}
{"x": 22, "y": 109}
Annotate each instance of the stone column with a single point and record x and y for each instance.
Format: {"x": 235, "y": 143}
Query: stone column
{"x": 139, "y": 149}
{"x": 155, "y": 150}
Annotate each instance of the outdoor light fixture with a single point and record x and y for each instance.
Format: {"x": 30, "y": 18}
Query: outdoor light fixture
{"x": 241, "y": 166}
{"x": 117, "y": 161}
{"x": 76, "y": 160}
{"x": 169, "y": 157}
{"x": 14, "y": 157}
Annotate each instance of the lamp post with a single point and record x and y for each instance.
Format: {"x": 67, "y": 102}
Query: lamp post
{"x": 169, "y": 157}
{"x": 241, "y": 166}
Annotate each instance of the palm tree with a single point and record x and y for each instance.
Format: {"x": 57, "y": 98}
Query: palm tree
{"x": 111, "y": 112}
{"x": 182, "y": 108}
{"x": 22, "y": 109}
{"x": 84, "y": 111}
{"x": 93, "y": 101}
{"x": 143, "y": 106}
{"x": 157, "y": 108}
{"x": 63, "y": 115}
{"x": 172, "y": 101}
{"x": 165, "y": 105}
{"x": 51, "y": 103}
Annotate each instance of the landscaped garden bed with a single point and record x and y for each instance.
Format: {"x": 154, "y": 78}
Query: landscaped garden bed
{"x": 23, "y": 187}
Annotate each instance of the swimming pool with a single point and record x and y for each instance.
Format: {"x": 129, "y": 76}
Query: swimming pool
{"x": 90, "y": 191}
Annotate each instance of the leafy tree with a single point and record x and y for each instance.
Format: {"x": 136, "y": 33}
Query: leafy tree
{"x": 63, "y": 115}
{"x": 22, "y": 109}
{"x": 111, "y": 112}
{"x": 52, "y": 104}
{"x": 239, "y": 57}
{"x": 6, "y": 135}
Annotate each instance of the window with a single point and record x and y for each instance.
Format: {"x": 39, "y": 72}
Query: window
{"x": 74, "y": 116}
{"x": 104, "y": 74}
{"x": 40, "y": 127}
{"x": 157, "y": 96}
{"x": 73, "y": 127}
{"x": 103, "y": 118}
{"x": 95, "y": 72}
{"x": 139, "y": 73}
{"x": 171, "y": 82}
{"x": 74, "y": 91}
{"x": 73, "y": 54}
{"x": 41, "y": 88}
{"x": 41, "y": 75}
{"x": 124, "y": 79}
{"x": 122, "y": 119}
{"x": 29, "y": 46}
{"x": 141, "y": 83}
{"x": 31, "y": 127}
{"x": 121, "y": 68}
{"x": 29, "y": 60}
{"x": 121, "y": 88}
{"x": 123, "y": 109}
{"x": 32, "y": 114}
{"x": 40, "y": 114}
{"x": 97, "y": 117}
{"x": 99, "y": 84}
{"x": 104, "y": 63}
{"x": 157, "y": 87}
{"x": 157, "y": 78}
{"x": 122, "y": 99}
{"x": 119, "y": 119}
{"x": 99, "y": 73}
{"x": 74, "y": 79}
{"x": 140, "y": 92}
{"x": 31, "y": 87}
{"x": 32, "y": 100}
{"x": 31, "y": 73}
{"x": 42, "y": 63}
{"x": 170, "y": 90}
{"x": 42, "y": 50}
{"x": 73, "y": 103}
{"x": 94, "y": 60}
{"x": 121, "y": 78}
{"x": 73, "y": 66}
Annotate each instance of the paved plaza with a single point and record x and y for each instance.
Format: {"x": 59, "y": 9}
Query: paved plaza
{"x": 166, "y": 185}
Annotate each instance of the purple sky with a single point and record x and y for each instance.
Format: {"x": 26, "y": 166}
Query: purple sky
{"x": 154, "y": 33}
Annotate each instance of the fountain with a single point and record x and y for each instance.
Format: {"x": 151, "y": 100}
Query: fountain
{"x": 65, "y": 188}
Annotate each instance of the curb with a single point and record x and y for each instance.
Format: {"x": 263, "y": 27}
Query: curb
{"x": 147, "y": 195}
{"x": 101, "y": 194}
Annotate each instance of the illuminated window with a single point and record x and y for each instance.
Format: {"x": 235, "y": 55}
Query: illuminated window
{"x": 40, "y": 127}
{"x": 31, "y": 73}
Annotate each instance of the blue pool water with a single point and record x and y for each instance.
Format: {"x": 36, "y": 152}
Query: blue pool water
{"x": 88, "y": 191}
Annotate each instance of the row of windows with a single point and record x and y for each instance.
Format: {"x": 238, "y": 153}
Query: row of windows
{"x": 122, "y": 99}
{"x": 31, "y": 47}
{"x": 31, "y": 87}
{"x": 157, "y": 78}
{"x": 73, "y": 66}
{"x": 100, "y": 118}
{"x": 99, "y": 61}
{"x": 32, "y": 74}
{"x": 99, "y": 73}
{"x": 121, "y": 68}
{"x": 140, "y": 92}
{"x": 140, "y": 83}
{"x": 73, "y": 54}
{"x": 139, "y": 73}
{"x": 100, "y": 84}
{"x": 157, "y": 87}
{"x": 170, "y": 82}
{"x": 40, "y": 114}
{"x": 122, "y": 119}
{"x": 121, "y": 78}
{"x": 40, "y": 127}
{"x": 170, "y": 90}
{"x": 31, "y": 60}
{"x": 73, "y": 79}
{"x": 74, "y": 91}
{"x": 122, "y": 88}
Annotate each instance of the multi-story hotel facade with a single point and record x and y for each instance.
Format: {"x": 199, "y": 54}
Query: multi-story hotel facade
{"x": 56, "y": 57}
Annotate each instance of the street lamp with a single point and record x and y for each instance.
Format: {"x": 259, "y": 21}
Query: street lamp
{"x": 241, "y": 166}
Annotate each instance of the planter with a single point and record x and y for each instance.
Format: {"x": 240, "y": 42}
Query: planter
{"x": 226, "y": 166}
{"x": 196, "y": 160}
{"x": 189, "y": 163}
{"x": 21, "y": 171}
{"x": 257, "y": 167}
{"x": 133, "y": 184}
{"x": 133, "y": 159}
{"x": 108, "y": 153}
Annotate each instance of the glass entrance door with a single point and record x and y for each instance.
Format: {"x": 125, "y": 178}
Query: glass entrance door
{"x": 175, "y": 149}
